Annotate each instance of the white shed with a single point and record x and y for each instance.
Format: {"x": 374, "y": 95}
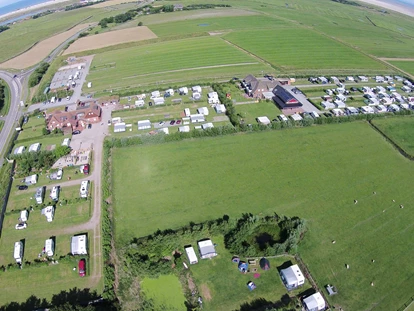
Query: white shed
{"x": 49, "y": 247}
{"x": 144, "y": 124}
{"x": 292, "y": 277}
{"x": 207, "y": 249}
{"x": 78, "y": 245}
{"x": 119, "y": 127}
{"x": 192, "y": 257}
{"x": 196, "y": 89}
{"x": 203, "y": 110}
{"x": 184, "y": 129}
{"x": 34, "y": 148}
{"x": 314, "y": 302}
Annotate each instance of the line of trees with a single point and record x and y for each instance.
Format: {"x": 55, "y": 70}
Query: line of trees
{"x": 118, "y": 19}
{"x": 4, "y": 28}
{"x": 2, "y": 95}
{"x": 38, "y": 74}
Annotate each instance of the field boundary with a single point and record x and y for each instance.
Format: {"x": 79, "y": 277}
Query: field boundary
{"x": 394, "y": 144}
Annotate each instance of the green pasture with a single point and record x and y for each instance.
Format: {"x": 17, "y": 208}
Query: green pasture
{"x": 24, "y": 35}
{"x": 170, "y": 62}
{"x": 315, "y": 173}
{"x": 45, "y": 141}
{"x": 295, "y": 50}
{"x": 400, "y": 130}
{"x": 249, "y": 112}
{"x": 407, "y": 66}
{"x": 165, "y": 291}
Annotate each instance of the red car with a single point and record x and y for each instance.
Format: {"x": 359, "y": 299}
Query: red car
{"x": 82, "y": 267}
{"x": 86, "y": 169}
{"x": 178, "y": 122}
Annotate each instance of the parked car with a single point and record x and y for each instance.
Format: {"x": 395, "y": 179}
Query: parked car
{"x": 89, "y": 126}
{"x": 67, "y": 98}
{"x": 21, "y": 226}
{"x": 76, "y": 132}
{"x": 178, "y": 122}
{"x": 59, "y": 174}
{"x": 66, "y": 108}
{"x": 161, "y": 123}
{"x": 86, "y": 169}
{"x": 82, "y": 267}
{"x": 172, "y": 122}
{"x": 22, "y": 187}
{"x": 354, "y": 89}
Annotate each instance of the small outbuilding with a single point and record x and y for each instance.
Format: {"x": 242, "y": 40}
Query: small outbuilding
{"x": 314, "y": 302}
{"x": 119, "y": 127}
{"x": 78, "y": 245}
{"x": 144, "y": 125}
{"x": 292, "y": 277}
{"x": 206, "y": 249}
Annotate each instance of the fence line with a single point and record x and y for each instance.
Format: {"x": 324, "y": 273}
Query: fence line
{"x": 406, "y": 304}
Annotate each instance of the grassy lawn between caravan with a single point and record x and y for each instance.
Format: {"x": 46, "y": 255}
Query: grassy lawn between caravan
{"x": 249, "y": 112}
{"x": 400, "y": 130}
{"x": 165, "y": 291}
{"x": 314, "y": 173}
{"x": 170, "y": 62}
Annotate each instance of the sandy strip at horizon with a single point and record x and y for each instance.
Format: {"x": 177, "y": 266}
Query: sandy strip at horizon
{"x": 31, "y": 8}
{"x": 110, "y": 38}
{"x": 110, "y": 3}
{"x": 391, "y": 6}
{"x": 41, "y": 50}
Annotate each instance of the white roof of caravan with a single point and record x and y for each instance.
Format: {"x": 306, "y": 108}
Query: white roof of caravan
{"x": 116, "y": 120}
{"x": 155, "y": 93}
{"x": 144, "y": 122}
{"x": 183, "y": 89}
{"x": 139, "y": 102}
{"x": 315, "y": 301}
{"x": 31, "y": 178}
{"x": 352, "y": 109}
{"x": 17, "y": 248}
{"x": 203, "y": 110}
{"x": 164, "y": 130}
{"x": 293, "y": 275}
{"x": 206, "y": 247}
{"x": 119, "y": 125}
{"x": 19, "y": 150}
{"x": 184, "y": 128}
{"x": 212, "y": 95}
{"x": 207, "y": 126}
{"x": 196, "y": 88}
{"x": 48, "y": 244}
{"x": 263, "y": 120}
{"x": 191, "y": 253}
{"x": 296, "y": 117}
{"x": 35, "y": 147}
{"x": 78, "y": 245}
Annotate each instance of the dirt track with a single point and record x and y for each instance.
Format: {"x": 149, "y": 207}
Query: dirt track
{"x": 41, "y": 50}
{"x": 111, "y": 38}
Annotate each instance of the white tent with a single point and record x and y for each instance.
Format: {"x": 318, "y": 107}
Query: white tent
{"x": 78, "y": 245}
{"x": 314, "y": 302}
{"x": 144, "y": 125}
{"x": 292, "y": 277}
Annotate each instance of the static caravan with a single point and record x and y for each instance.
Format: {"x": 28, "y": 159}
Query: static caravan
{"x": 39, "y": 195}
{"x": 54, "y": 193}
{"x": 78, "y": 245}
{"x": 314, "y": 302}
{"x": 84, "y": 189}
{"x": 159, "y": 100}
{"x": 18, "y": 252}
{"x": 155, "y": 94}
{"x": 49, "y": 247}
{"x": 183, "y": 90}
{"x": 406, "y": 89}
{"x": 192, "y": 257}
{"x": 139, "y": 103}
{"x": 196, "y": 89}
{"x": 169, "y": 92}
{"x": 187, "y": 112}
{"x": 292, "y": 277}
{"x": 49, "y": 212}
{"x": 23, "y": 216}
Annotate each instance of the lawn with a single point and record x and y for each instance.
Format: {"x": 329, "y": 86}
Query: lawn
{"x": 400, "y": 130}
{"x": 171, "y": 63}
{"x": 404, "y": 65}
{"x": 314, "y": 173}
{"x": 165, "y": 291}
{"x": 249, "y": 112}
{"x": 295, "y": 49}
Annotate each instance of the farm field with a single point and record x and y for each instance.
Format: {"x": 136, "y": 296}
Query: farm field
{"x": 42, "y": 49}
{"x": 400, "y": 130}
{"x": 294, "y": 50}
{"x": 407, "y": 66}
{"x": 281, "y": 172}
{"x": 205, "y": 58}
{"x": 110, "y": 38}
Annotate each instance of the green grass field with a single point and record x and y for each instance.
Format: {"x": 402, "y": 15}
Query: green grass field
{"x": 400, "y": 130}
{"x": 314, "y": 173}
{"x": 295, "y": 49}
{"x": 170, "y": 62}
{"x": 404, "y": 65}
{"x": 249, "y": 112}
{"x": 165, "y": 291}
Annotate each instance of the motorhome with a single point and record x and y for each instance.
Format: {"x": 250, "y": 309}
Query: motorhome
{"x": 84, "y": 189}
{"x": 54, "y": 193}
{"x": 39, "y": 195}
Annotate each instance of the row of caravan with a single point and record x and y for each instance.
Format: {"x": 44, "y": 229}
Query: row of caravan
{"x": 55, "y": 192}
{"x": 49, "y": 250}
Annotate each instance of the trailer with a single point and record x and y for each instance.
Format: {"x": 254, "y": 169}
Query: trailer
{"x": 18, "y": 252}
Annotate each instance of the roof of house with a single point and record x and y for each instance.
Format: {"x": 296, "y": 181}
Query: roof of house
{"x": 284, "y": 98}
{"x": 255, "y": 84}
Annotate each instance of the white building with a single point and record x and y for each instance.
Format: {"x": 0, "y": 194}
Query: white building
{"x": 78, "y": 245}
{"x": 314, "y": 302}
{"x": 19, "y": 150}
{"x": 49, "y": 212}
{"x": 34, "y": 148}
{"x": 191, "y": 255}
{"x": 206, "y": 249}
{"x": 119, "y": 127}
{"x": 49, "y": 247}
{"x": 292, "y": 277}
{"x": 84, "y": 189}
{"x": 203, "y": 111}
{"x": 144, "y": 125}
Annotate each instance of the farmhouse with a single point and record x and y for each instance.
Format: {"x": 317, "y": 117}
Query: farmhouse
{"x": 284, "y": 99}
{"x": 207, "y": 126}
{"x": 203, "y": 111}
{"x": 30, "y": 180}
{"x": 263, "y": 120}
{"x": 78, "y": 245}
{"x": 206, "y": 249}
{"x": 255, "y": 87}
{"x": 314, "y": 302}
{"x": 184, "y": 129}
{"x": 197, "y": 118}
{"x": 34, "y": 148}
{"x": 19, "y": 150}
{"x": 119, "y": 127}
{"x": 144, "y": 125}
{"x": 292, "y": 277}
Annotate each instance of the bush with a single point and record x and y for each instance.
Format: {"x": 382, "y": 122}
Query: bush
{"x": 37, "y": 75}
{"x": 140, "y": 23}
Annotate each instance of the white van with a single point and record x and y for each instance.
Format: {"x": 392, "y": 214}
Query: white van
{"x": 53, "y": 99}
{"x": 39, "y": 195}
{"x": 84, "y": 189}
{"x": 54, "y": 193}
{"x": 192, "y": 257}
{"x": 49, "y": 247}
{"x": 24, "y": 215}
{"x": 18, "y": 252}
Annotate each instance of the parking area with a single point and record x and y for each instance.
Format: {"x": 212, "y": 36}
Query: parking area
{"x": 66, "y": 78}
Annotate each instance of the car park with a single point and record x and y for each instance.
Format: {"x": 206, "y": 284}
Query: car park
{"x": 21, "y": 226}
{"x": 22, "y": 187}
{"x": 82, "y": 267}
